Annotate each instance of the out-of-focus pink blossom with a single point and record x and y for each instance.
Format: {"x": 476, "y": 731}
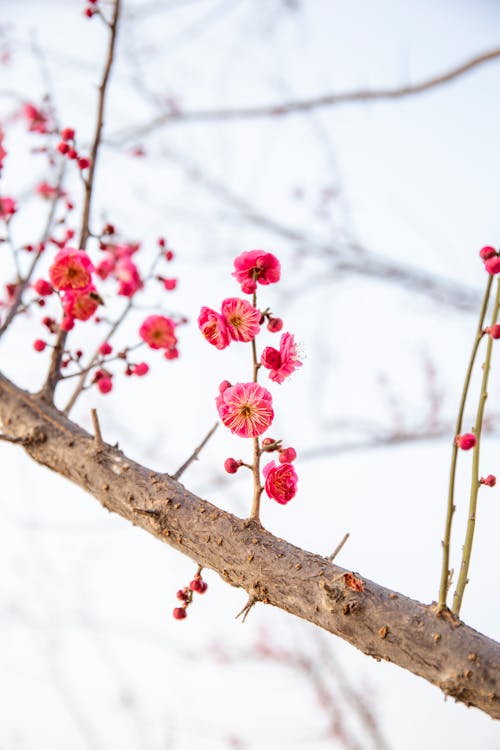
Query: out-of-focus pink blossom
{"x": 127, "y": 274}
{"x": 81, "y": 305}
{"x": 8, "y": 207}
{"x": 246, "y": 409}
{"x": 158, "y": 332}
{"x": 71, "y": 269}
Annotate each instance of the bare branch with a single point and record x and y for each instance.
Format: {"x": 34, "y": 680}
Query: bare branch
{"x": 173, "y": 117}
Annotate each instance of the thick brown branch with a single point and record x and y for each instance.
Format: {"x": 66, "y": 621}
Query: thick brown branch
{"x": 306, "y": 105}
{"x": 386, "y": 625}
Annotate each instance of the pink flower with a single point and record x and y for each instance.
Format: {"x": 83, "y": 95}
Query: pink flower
{"x": 81, "y": 304}
{"x": 256, "y": 266}
{"x": 241, "y": 318}
{"x": 214, "y": 328}
{"x": 281, "y": 482}
{"x": 127, "y": 274}
{"x": 71, "y": 269}
{"x": 283, "y": 362}
{"x": 158, "y": 332}
{"x": 7, "y": 208}
{"x": 246, "y": 409}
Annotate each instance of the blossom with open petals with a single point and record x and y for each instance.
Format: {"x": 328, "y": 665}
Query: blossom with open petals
{"x": 241, "y": 318}
{"x": 71, "y": 269}
{"x": 281, "y": 482}
{"x": 246, "y": 409}
{"x": 283, "y": 362}
{"x": 213, "y": 327}
{"x": 256, "y": 266}
{"x": 158, "y": 332}
{"x": 81, "y": 305}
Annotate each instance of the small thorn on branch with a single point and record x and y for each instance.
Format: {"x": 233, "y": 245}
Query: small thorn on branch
{"x": 97, "y": 430}
{"x": 338, "y": 547}
{"x": 252, "y": 600}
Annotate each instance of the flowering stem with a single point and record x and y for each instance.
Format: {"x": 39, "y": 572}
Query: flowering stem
{"x": 54, "y": 373}
{"x": 257, "y": 487}
{"x": 445, "y": 571}
{"x": 475, "y": 484}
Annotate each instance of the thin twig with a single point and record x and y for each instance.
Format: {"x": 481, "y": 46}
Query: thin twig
{"x": 338, "y": 547}
{"x": 306, "y": 105}
{"x": 194, "y": 455}
{"x": 252, "y": 600}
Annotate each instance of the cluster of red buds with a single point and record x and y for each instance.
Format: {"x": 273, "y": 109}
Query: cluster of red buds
{"x": 185, "y": 595}
{"x": 67, "y": 147}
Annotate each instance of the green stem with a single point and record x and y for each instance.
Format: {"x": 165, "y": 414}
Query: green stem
{"x": 445, "y": 571}
{"x": 469, "y": 535}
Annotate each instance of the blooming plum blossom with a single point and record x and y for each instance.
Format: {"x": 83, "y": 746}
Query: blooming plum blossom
{"x": 158, "y": 332}
{"x": 283, "y": 362}
{"x": 72, "y": 269}
{"x": 256, "y": 266}
{"x": 81, "y": 304}
{"x": 246, "y": 409}
{"x": 214, "y": 328}
{"x": 241, "y": 318}
{"x": 281, "y": 482}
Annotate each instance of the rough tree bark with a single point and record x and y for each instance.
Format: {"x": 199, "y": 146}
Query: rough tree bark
{"x": 386, "y": 625}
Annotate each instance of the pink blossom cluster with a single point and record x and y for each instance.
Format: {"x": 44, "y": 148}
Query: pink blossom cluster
{"x": 246, "y": 408}
{"x": 72, "y": 277}
{"x": 117, "y": 262}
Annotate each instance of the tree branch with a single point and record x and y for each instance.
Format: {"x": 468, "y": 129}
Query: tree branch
{"x": 54, "y": 373}
{"x": 173, "y": 117}
{"x": 386, "y": 625}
